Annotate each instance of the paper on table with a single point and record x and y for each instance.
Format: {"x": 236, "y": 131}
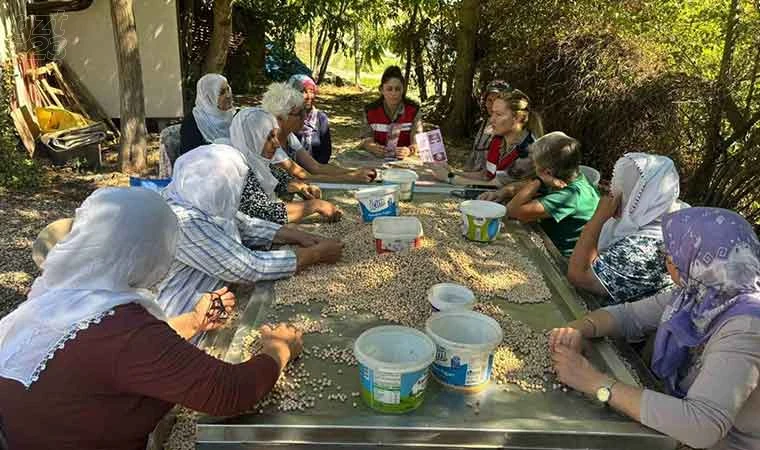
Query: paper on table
{"x": 430, "y": 146}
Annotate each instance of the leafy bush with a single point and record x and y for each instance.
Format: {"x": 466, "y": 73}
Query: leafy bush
{"x": 17, "y": 171}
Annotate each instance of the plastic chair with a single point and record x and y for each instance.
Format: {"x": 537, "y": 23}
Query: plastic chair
{"x": 168, "y": 150}
{"x": 155, "y": 184}
{"x": 592, "y": 174}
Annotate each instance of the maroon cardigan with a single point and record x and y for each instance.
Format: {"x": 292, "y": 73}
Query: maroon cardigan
{"x": 108, "y": 388}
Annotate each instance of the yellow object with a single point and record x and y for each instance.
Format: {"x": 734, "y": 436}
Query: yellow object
{"x": 57, "y": 119}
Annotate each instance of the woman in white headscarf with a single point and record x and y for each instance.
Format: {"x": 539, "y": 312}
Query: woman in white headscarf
{"x": 212, "y": 115}
{"x": 620, "y": 255}
{"x": 215, "y": 237}
{"x": 91, "y": 345}
{"x": 254, "y": 133}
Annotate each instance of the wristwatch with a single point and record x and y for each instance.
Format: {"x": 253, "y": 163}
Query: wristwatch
{"x": 451, "y": 177}
{"x": 604, "y": 393}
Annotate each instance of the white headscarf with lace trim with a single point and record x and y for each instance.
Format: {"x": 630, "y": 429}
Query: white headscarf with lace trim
{"x": 121, "y": 243}
{"x": 212, "y": 122}
{"x": 649, "y": 186}
{"x": 250, "y": 130}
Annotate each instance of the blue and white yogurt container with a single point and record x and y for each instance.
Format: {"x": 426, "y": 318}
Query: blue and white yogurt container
{"x": 378, "y": 202}
{"x": 465, "y": 342}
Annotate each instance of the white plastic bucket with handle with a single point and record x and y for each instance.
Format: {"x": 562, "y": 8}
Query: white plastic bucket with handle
{"x": 393, "y": 367}
{"x": 405, "y": 179}
{"x": 465, "y": 342}
{"x": 481, "y": 219}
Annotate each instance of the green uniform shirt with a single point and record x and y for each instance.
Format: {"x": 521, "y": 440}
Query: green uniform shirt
{"x": 570, "y": 208}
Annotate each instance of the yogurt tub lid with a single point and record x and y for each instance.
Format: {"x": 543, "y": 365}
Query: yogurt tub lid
{"x": 483, "y": 208}
{"x": 394, "y": 348}
{"x": 380, "y": 190}
{"x": 473, "y": 332}
{"x": 401, "y": 175}
{"x": 444, "y": 294}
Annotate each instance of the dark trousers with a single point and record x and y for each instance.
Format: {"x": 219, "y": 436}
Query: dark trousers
{"x": 3, "y": 441}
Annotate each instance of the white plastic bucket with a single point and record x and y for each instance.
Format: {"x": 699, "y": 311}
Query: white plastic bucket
{"x": 404, "y": 178}
{"x": 393, "y": 367}
{"x": 450, "y": 297}
{"x": 481, "y": 219}
{"x": 465, "y": 342}
{"x": 395, "y": 234}
{"x": 377, "y": 202}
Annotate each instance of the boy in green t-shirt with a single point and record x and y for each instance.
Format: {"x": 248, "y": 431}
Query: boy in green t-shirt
{"x": 559, "y": 198}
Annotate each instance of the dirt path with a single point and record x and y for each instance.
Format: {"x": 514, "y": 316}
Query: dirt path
{"x": 24, "y": 214}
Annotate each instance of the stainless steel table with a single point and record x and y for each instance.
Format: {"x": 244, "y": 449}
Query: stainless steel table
{"x": 508, "y": 417}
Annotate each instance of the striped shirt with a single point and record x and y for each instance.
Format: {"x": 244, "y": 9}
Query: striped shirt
{"x": 207, "y": 258}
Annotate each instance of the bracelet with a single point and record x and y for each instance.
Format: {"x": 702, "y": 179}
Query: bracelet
{"x": 593, "y": 326}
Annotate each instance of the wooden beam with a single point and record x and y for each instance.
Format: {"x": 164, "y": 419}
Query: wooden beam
{"x": 23, "y": 131}
{"x": 88, "y": 100}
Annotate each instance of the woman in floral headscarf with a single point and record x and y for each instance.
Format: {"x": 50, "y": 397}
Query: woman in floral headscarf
{"x": 707, "y": 346}
{"x": 483, "y": 135}
{"x": 315, "y": 135}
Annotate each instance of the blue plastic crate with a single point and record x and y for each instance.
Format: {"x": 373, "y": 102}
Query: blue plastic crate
{"x": 155, "y": 184}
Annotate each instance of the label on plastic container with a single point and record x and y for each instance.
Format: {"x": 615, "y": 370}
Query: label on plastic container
{"x": 392, "y": 391}
{"x": 395, "y": 245}
{"x": 380, "y": 206}
{"x": 463, "y": 369}
{"x": 479, "y": 228}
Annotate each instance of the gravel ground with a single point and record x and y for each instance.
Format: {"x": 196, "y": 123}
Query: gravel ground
{"x": 25, "y": 213}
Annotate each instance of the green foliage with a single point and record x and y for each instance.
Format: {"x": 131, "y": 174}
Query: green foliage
{"x": 280, "y": 18}
{"x": 16, "y": 170}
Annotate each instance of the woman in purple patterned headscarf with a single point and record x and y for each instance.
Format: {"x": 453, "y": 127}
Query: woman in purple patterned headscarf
{"x": 707, "y": 344}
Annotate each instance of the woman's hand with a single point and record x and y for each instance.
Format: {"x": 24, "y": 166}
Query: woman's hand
{"x": 283, "y": 343}
{"x": 327, "y": 210}
{"x": 609, "y": 206}
{"x": 213, "y": 309}
{"x": 307, "y": 239}
{"x": 574, "y": 370}
{"x": 363, "y": 175}
{"x": 329, "y": 251}
{"x": 310, "y": 191}
{"x": 403, "y": 152}
{"x": 551, "y": 181}
{"x": 493, "y": 196}
{"x": 568, "y": 337}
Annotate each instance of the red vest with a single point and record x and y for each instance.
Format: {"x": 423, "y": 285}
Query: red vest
{"x": 381, "y": 123}
{"x": 496, "y": 162}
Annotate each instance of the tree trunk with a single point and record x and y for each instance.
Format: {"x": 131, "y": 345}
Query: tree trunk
{"x": 458, "y": 121}
{"x": 326, "y": 58}
{"x": 132, "y": 154}
{"x": 320, "y": 47}
{"x": 216, "y": 56}
{"x": 419, "y": 68}
{"x": 357, "y": 57}
{"x": 700, "y": 181}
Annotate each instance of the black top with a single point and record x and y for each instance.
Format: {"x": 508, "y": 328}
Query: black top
{"x": 190, "y": 136}
{"x": 256, "y": 203}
